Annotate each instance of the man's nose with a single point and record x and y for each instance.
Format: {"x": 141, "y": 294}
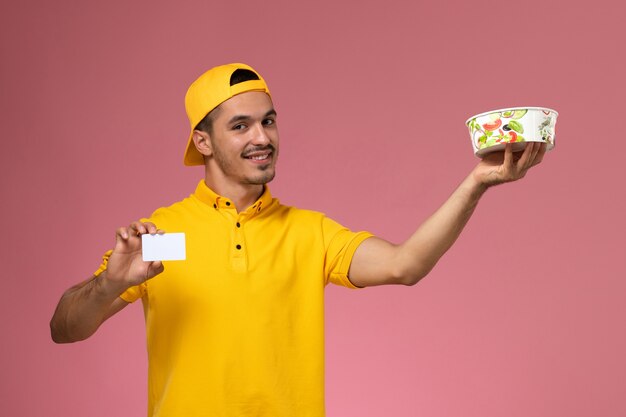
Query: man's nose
{"x": 260, "y": 135}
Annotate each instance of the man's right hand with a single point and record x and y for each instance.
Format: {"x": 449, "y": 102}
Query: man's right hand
{"x": 85, "y": 306}
{"x": 125, "y": 267}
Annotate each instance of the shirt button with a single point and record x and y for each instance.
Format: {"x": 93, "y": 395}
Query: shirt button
{"x": 214, "y": 205}
{"x": 228, "y": 203}
{"x": 238, "y": 246}
{"x": 238, "y": 225}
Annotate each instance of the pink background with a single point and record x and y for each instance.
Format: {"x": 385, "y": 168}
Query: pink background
{"x": 525, "y": 316}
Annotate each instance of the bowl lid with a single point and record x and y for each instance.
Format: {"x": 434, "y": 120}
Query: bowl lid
{"x": 511, "y": 109}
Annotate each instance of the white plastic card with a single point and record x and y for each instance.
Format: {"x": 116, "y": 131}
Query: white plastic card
{"x": 165, "y": 247}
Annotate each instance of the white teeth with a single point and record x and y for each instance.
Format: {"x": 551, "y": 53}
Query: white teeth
{"x": 259, "y": 157}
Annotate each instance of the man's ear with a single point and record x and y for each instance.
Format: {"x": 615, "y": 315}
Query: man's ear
{"x": 203, "y": 142}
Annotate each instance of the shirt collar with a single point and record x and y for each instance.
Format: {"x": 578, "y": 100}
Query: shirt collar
{"x": 210, "y": 197}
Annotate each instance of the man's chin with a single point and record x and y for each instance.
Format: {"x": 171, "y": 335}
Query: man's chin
{"x": 262, "y": 178}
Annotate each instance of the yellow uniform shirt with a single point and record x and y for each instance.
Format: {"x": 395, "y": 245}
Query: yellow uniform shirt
{"x": 237, "y": 329}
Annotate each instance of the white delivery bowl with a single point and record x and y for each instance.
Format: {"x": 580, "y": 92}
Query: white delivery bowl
{"x": 491, "y": 131}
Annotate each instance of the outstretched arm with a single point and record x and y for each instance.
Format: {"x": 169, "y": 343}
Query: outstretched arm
{"x": 85, "y": 306}
{"x": 378, "y": 262}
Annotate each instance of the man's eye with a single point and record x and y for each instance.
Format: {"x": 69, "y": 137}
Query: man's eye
{"x": 239, "y": 126}
{"x": 268, "y": 122}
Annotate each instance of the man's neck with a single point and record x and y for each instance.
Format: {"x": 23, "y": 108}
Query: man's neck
{"x": 242, "y": 195}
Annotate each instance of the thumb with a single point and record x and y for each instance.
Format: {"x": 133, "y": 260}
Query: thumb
{"x": 155, "y": 268}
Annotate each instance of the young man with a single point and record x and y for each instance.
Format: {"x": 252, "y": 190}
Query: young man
{"x": 237, "y": 328}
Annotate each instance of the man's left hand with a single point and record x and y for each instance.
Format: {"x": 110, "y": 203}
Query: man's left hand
{"x": 500, "y": 167}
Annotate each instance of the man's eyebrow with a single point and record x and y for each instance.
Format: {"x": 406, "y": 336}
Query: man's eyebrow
{"x": 240, "y": 117}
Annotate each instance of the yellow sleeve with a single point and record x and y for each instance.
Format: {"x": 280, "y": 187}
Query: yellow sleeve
{"x": 341, "y": 243}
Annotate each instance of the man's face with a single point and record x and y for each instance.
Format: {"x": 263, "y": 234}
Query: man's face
{"x": 244, "y": 139}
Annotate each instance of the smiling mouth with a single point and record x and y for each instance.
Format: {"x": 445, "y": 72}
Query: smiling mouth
{"x": 259, "y": 157}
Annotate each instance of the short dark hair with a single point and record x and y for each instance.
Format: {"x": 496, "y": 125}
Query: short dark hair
{"x": 238, "y": 76}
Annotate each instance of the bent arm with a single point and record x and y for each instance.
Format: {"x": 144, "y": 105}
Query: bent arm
{"x": 83, "y": 308}
{"x": 378, "y": 262}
